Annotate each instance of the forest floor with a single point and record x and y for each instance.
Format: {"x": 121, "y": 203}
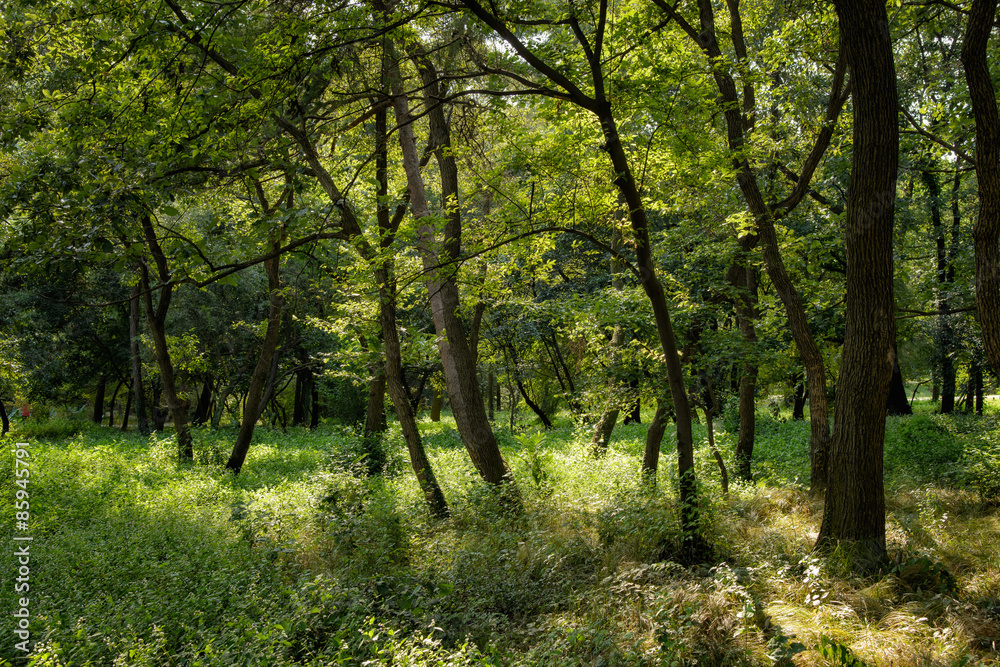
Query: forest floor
{"x": 138, "y": 560}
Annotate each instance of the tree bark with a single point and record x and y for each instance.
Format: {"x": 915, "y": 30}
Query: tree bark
{"x": 204, "y": 402}
{"x": 157, "y": 318}
{"x": 137, "y": 390}
{"x": 263, "y": 370}
{"x": 491, "y": 387}
{"x": 436, "y": 405}
{"x": 944, "y": 339}
{"x": 986, "y": 233}
{"x": 98, "y": 417}
{"x": 128, "y": 410}
{"x": 456, "y": 355}
{"x": 854, "y": 512}
{"x": 897, "y": 403}
{"x": 3, "y": 419}
{"x": 654, "y": 436}
{"x": 385, "y": 279}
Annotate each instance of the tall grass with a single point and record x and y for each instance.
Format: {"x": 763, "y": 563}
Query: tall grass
{"x": 302, "y": 560}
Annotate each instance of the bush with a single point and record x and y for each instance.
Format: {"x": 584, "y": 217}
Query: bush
{"x": 56, "y": 428}
{"x": 982, "y": 461}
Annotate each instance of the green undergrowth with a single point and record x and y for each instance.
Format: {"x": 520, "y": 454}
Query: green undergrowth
{"x": 304, "y": 560}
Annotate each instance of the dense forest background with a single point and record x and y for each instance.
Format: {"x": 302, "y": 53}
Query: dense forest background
{"x": 571, "y": 236}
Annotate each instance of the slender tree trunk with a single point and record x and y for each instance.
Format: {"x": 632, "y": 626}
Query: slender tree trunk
{"x": 634, "y": 415}
{"x": 263, "y": 370}
{"x": 456, "y": 355}
{"x": 799, "y": 398}
{"x": 977, "y": 380}
{"x": 204, "y": 402}
{"x": 436, "y": 405}
{"x": 98, "y": 417}
{"x": 490, "y": 388}
{"x": 114, "y": 399}
{"x": 654, "y": 436}
{"x": 156, "y": 318}
{"x": 944, "y": 337}
{"x": 854, "y": 513}
{"x": 4, "y": 419}
{"x": 897, "y": 403}
{"x": 128, "y": 410}
{"x": 986, "y": 233}
{"x": 137, "y": 390}
{"x": 315, "y": 407}
{"x": 606, "y": 424}
{"x": 385, "y": 279}
{"x": 743, "y": 276}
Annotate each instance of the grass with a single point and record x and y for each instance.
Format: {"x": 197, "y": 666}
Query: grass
{"x": 137, "y": 560}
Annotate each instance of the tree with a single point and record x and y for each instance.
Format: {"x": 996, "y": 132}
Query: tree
{"x": 854, "y": 511}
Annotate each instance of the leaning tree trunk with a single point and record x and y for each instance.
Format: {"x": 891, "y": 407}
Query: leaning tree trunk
{"x": 986, "y": 233}
{"x": 398, "y": 393}
{"x": 854, "y": 513}
{"x": 654, "y": 436}
{"x": 255, "y": 394}
{"x": 157, "y": 318}
{"x": 457, "y": 357}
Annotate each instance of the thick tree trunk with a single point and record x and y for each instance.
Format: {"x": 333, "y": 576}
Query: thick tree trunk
{"x": 854, "y": 514}
{"x": 98, "y": 417}
{"x": 457, "y": 357}
{"x": 137, "y": 390}
{"x": 986, "y": 233}
{"x": 263, "y": 370}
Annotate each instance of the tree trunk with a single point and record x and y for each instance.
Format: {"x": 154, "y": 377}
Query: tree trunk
{"x": 137, "y": 390}
{"x": 546, "y": 422}
{"x": 314, "y": 403}
{"x": 854, "y": 513}
{"x": 986, "y": 232}
{"x": 157, "y": 317}
{"x": 98, "y": 417}
{"x": 654, "y": 436}
{"x": 114, "y": 399}
{"x": 263, "y": 370}
{"x": 744, "y": 277}
{"x": 375, "y": 422}
{"x": 897, "y": 403}
{"x": 436, "y": 405}
{"x": 128, "y": 410}
{"x": 634, "y": 415}
{"x": 385, "y": 279}
{"x": 4, "y": 419}
{"x": 977, "y": 381}
{"x": 456, "y": 355}
{"x": 799, "y": 398}
{"x": 204, "y": 402}
{"x": 944, "y": 338}
{"x": 490, "y": 388}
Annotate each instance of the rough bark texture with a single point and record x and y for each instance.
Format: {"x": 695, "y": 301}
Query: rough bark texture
{"x": 986, "y": 233}
{"x": 138, "y": 393}
{"x": 457, "y": 357}
{"x": 854, "y": 513}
